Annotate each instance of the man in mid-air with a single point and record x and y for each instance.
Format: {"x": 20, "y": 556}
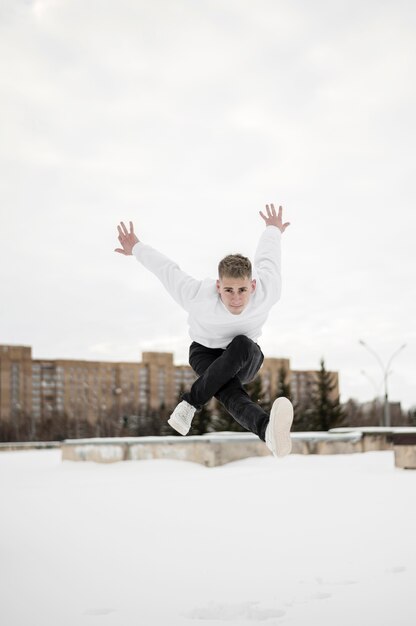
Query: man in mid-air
{"x": 225, "y": 320}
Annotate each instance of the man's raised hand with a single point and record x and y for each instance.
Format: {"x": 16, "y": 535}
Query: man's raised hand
{"x": 127, "y": 239}
{"x": 274, "y": 220}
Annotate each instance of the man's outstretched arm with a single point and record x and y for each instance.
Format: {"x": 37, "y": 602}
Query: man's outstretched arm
{"x": 182, "y": 288}
{"x": 267, "y": 259}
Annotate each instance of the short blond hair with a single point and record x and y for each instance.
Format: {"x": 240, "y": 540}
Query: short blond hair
{"x": 234, "y": 266}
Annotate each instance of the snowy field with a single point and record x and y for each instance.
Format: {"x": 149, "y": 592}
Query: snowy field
{"x": 308, "y": 540}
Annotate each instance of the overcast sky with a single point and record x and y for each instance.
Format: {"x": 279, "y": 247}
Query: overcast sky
{"x": 187, "y": 117}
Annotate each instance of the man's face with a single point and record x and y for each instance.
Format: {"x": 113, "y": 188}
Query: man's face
{"x": 235, "y": 293}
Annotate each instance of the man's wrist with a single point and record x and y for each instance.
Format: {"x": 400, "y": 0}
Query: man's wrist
{"x": 135, "y": 246}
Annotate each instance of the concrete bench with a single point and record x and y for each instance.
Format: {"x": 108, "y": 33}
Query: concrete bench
{"x": 375, "y": 438}
{"x": 29, "y": 445}
{"x": 211, "y": 450}
{"x": 404, "y": 444}
{"x": 323, "y": 442}
{"x": 207, "y": 450}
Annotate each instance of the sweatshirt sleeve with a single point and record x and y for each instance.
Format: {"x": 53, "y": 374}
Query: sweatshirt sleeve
{"x": 182, "y": 288}
{"x": 267, "y": 262}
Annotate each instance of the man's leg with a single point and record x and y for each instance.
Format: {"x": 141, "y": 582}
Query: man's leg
{"x": 242, "y": 358}
{"x": 241, "y": 407}
{"x": 222, "y": 373}
{"x": 200, "y": 358}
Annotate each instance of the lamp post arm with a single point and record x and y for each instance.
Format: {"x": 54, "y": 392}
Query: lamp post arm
{"x": 392, "y": 357}
{"x": 383, "y": 369}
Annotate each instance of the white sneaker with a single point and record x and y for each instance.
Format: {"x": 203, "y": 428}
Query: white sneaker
{"x": 278, "y": 429}
{"x": 181, "y": 418}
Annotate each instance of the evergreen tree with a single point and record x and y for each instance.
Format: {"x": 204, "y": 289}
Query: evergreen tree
{"x": 304, "y": 418}
{"x": 411, "y": 416}
{"x": 324, "y": 413}
{"x": 301, "y": 420}
{"x": 283, "y": 387}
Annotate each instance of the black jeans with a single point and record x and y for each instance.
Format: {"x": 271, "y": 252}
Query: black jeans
{"x": 222, "y": 374}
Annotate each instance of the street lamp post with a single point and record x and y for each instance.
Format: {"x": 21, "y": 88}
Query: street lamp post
{"x": 373, "y": 382}
{"x": 386, "y": 372}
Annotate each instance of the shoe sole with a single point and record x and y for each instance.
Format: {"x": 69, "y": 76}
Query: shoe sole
{"x": 281, "y": 418}
{"x": 178, "y": 426}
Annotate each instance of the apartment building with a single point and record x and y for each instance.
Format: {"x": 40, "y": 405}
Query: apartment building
{"x": 302, "y": 381}
{"x": 87, "y": 389}
{"x": 274, "y": 372}
{"x": 92, "y": 390}
{"x": 15, "y": 381}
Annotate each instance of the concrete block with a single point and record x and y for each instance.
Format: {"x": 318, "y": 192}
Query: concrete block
{"x": 211, "y": 450}
{"x": 405, "y": 456}
{"x": 323, "y": 442}
{"x": 84, "y": 450}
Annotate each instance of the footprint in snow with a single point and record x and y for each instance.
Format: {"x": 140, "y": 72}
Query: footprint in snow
{"x": 228, "y": 612}
{"x": 341, "y": 582}
{"x": 98, "y": 611}
{"x": 321, "y": 595}
{"x": 399, "y": 569}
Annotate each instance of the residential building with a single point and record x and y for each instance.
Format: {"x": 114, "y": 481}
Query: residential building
{"x": 96, "y": 390}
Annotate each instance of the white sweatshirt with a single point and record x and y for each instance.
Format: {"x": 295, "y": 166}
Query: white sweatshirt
{"x": 210, "y": 322}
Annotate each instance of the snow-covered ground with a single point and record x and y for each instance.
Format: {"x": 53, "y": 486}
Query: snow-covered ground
{"x": 308, "y": 540}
